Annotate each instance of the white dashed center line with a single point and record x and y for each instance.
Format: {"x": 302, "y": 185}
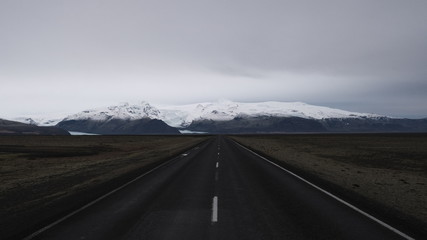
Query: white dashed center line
{"x": 215, "y": 209}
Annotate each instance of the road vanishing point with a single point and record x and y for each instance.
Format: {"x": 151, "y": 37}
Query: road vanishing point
{"x": 218, "y": 190}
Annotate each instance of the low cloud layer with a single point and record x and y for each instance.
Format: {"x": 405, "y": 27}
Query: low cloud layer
{"x": 367, "y": 56}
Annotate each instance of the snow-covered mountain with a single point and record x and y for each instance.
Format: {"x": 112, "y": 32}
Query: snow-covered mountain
{"x": 124, "y": 111}
{"x": 39, "y": 121}
{"x": 125, "y": 119}
{"x": 182, "y": 116}
{"x": 228, "y": 117}
{"x": 18, "y": 128}
{"x": 224, "y": 110}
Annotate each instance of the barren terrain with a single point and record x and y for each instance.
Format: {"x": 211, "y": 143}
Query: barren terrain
{"x": 43, "y": 177}
{"x": 387, "y": 170}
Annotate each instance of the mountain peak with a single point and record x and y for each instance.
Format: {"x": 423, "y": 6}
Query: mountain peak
{"x": 123, "y": 111}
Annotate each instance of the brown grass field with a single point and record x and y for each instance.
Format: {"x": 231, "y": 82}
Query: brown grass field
{"x": 387, "y": 170}
{"x": 44, "y": 176}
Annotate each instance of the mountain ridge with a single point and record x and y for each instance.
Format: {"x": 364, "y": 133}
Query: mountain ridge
{"x": 224, "y": 110}
{"x": 226, "y": 116}
{"x": 144, "y": 126}
{"x": 8, "y": 127}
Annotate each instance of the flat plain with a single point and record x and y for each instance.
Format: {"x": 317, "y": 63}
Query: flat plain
{"x": 386, "y": 173}
{"x": 43, "y": 177}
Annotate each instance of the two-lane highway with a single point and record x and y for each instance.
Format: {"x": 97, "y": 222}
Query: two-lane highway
{"x": 218, "y": 190}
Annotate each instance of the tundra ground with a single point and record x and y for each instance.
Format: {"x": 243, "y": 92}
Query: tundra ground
{"x": 386, "y": 172}
{"x": 43, "y": 177}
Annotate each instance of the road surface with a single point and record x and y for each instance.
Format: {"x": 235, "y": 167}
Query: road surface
{"x": 218, "y": 190}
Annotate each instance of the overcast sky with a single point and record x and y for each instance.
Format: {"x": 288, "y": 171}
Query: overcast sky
{"x": 70, "y": 55}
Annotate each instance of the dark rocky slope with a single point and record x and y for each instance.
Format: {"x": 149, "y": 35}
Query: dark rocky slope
{"x": 119, "y": 127}
{"x": 268, "y": 124}
{"x": 16, "y": 128}
{"x": 262, "y": 124}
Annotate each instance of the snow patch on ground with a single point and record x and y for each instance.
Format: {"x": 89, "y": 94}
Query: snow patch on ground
{"x": 191, "y": 132}
{"x": 81, "y": 133}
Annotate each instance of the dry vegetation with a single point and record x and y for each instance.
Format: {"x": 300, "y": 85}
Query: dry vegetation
{"x": 40, "y": 174}
{"x": 388, "y": 169}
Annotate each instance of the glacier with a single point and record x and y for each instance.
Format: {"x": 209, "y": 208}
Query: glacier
{"x": 184, "y": 115}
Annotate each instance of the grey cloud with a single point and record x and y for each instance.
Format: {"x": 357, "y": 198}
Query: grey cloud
{"x": 315, "y": 51}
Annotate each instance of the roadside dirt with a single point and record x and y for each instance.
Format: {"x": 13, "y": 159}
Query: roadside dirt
{"x": 388, "y": 170}
{"x": 43, "y": 177}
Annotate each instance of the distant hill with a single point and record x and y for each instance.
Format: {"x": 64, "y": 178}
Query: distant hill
{"x": 270, "y": 124}
{"x": 119, "y": 126}
{"x": 260, "y": 124}
{"x": 281, "y": 117}
{"x": 381, "y": 124}
{"x": 116, "y": 120}
{"x": 225, "y": 110}
{"x": 17, "y": 128}
{"x": 230, "y": 117}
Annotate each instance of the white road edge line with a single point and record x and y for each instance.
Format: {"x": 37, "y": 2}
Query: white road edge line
{"x": 332, "y": 196}
{"x": 96, "y": 200}
{"x": 215, "y": 209}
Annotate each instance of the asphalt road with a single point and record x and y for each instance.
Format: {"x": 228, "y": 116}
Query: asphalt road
{"x": 218, "y": 190}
